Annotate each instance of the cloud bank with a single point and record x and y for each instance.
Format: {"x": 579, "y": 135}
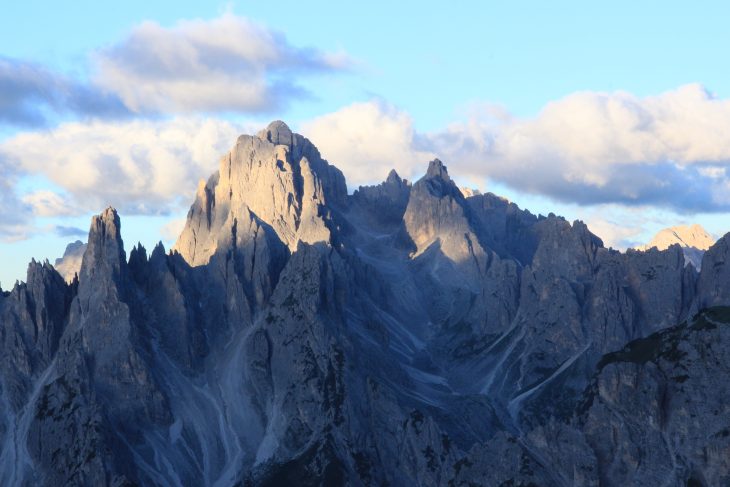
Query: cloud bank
{"x": 666, "y": 152}
{"x": 670, "y": 150}
{"x": 140, "y": 167}
{"x": 367, "y": 140}
{"x": 30, "y": 94}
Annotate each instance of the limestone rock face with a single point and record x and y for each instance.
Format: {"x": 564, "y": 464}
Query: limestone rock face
{"x": 277, "y": 178}
{"x": 658, "y": 414}
{"x": 386, "y": 202}
{"x": 33, "y": 317}
{"x": 713, "y": 287}
{"x": 407, "y": 334}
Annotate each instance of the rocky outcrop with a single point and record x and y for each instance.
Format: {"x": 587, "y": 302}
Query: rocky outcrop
{"x": 657, "y": 411}
{"x": 33, "y": 315}
{"x": 386, "y": 202}
{"x": 408, "y": 334}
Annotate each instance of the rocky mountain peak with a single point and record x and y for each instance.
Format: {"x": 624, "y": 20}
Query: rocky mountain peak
{"x": 277, "y": 181}
{"x": 106, "y": 223}
{"x": 693, "y": 239}
{"x": 685, "y": 235}
{"x": 104, "y": 257}
{"x": 437, "y": 212}
{"x": 437, "y": 169}
{"x": 393, "y": 177}
{"x": 403, "y": 335}
{"x": 437, "y": 182}
{"x": 384, "y": 203}
{"x": 278, "y": 133}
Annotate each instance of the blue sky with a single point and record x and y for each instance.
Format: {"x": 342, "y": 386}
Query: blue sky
{"x": 614, "y": 113}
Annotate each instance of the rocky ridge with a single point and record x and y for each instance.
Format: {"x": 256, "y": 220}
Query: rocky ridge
{"x": 407, "y": 334}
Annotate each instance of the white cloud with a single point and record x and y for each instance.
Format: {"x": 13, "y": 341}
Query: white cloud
{"x": 606, "y": 147}
{"x": 669, "y": 150}
{"x": 666, "y": 151}
{"x": 227, "y": 64}
{"x": 367, "y": 140}
{"x": 171, "y": 230}
{"x": 49, "y": 203}
{"x": 146, "y": 167}
{"x": 618, "y": 227}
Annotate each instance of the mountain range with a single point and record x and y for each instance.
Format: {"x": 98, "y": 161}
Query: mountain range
{"x": 405, "y": 334}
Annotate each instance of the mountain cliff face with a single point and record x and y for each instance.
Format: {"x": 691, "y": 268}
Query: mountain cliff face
{"x": 407, "y": 334}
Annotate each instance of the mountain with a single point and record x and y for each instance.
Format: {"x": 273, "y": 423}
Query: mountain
{"x": 407, "y": 334}
{"x": 70, "y": 264}
{"x": 693, "y": 239}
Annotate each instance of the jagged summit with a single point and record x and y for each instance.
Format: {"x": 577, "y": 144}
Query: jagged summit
{"x": 277, "y": 182}
{"x": 104, "y": 256}
{"x": 437, "y": 169}
{"x": 401, "y": 335}
{"x": 278, "y": 133}
{"x": 393, "y": 177}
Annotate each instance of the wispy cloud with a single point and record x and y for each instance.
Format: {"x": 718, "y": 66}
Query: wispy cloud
{"x": 49, "y": 203}
{"x": 64, "y": 231}
{"x": 30, "y": 94}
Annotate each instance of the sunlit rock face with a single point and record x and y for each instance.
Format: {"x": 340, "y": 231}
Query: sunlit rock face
{"x": 276, "y": 181}
{"x": 693, "y": 239}
{"x": 407, "y": 334}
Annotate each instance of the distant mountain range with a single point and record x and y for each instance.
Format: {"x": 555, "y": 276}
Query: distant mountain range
{"x": 70, "y": 263}
{"x": 693, "y": 239}
{"x": 406, "y": 334}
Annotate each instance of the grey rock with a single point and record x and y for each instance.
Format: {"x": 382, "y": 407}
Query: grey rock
{"x": 278, "y": 178}
{"x": 402, "y": 335}
{"x": 658, "y": 411}
{"x": 713, "y": 286}
{"x": 385, "y": 203}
